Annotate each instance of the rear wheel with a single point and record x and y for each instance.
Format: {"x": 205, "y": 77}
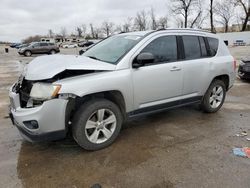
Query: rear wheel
{"x": 97, "y": 124}
{"x": 27, "y": 53}
{"x": 214, "y": 97}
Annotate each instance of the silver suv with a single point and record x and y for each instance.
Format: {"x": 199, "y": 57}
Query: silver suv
{"x": 123, "y": 76}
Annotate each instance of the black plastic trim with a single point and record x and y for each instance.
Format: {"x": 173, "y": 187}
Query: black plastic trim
{"x": 165, "y": 106}
{"x": 56, "y": 135}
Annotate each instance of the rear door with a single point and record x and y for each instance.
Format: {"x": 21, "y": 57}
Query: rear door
{"x": 196, "y": 66}
{"x": 44, "y": 47}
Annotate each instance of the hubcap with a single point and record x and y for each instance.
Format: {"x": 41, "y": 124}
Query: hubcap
{"x": 100, "y": 126}
{"x": 216, "y": 97}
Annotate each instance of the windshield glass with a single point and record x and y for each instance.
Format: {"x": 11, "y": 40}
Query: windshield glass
{"x": 112, "y": 49}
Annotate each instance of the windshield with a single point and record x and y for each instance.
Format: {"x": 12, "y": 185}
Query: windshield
{"x": 112, "y": 49}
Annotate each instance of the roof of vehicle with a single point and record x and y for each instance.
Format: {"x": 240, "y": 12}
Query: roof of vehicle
{"x": 171, "y": 30}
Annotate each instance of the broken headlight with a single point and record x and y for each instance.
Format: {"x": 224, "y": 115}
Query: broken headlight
{"x": 44, "y": 91}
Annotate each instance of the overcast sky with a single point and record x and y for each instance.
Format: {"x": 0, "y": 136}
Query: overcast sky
{"x": 22, "y": 18}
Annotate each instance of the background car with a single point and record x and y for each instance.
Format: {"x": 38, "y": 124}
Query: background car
{"x": 39, "y": 48}
{"x": 13, "y": 45}
{"x": 70, "y": 46}
{"x": 22, "y": 46}
{"x": 244, "y": 68}
{"x": 85, "y": 49}
{"x": 85, "y": 44}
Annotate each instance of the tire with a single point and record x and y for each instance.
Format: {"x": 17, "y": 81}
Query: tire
{"x": 214, "y": 97}
{"x": 85, "y": 133}
{"x": 52, "y": 52}
{"x": 27, "y": 53}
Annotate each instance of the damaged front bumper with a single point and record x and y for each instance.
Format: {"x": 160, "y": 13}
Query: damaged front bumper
{"x": 41, "y": 123}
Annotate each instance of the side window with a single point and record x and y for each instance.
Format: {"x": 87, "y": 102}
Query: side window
{"x": 191, "y": 47}
{"x": 163, "y": 48}
{"x": 203, "y": 47}
{"x": 43, "y": 44}
{"x": 36, "y": 45}
{"x": 213, "y": 45}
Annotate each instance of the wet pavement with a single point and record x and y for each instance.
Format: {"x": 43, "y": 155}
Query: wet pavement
{"x": 178, "y": 148}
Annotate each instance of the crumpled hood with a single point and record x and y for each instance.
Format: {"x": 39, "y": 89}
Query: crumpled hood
{"x": 46, "y": 67}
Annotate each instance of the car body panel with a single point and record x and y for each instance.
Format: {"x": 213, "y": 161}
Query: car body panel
{"x": 45, "y": 67}
{"x": 244, "y": 68}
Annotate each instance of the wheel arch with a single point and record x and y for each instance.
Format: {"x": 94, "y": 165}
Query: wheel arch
{"x": 225, "y": 78}
{"x": 114, "y": 96}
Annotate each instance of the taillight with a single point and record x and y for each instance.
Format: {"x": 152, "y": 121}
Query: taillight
{"x": 235, "y": 64}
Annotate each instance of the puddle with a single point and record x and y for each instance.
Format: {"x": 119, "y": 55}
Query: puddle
{"x": 241, "y": 84}
{"x": 238, "y": 106}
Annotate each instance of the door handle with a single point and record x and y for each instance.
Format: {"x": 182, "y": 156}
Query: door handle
{"x": 174, "y": 68}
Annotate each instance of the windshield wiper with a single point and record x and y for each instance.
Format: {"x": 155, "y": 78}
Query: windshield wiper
{"x": 93, "y": 57}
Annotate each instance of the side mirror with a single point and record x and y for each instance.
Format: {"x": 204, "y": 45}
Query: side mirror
{"x": 142, "y": 59}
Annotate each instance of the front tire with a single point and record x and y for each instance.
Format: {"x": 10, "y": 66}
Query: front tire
{"x": 27, "y": 53}
{"x": 52, "y": 52}
{"x": 97, "y": 124}
{"x": 214, "y": 97}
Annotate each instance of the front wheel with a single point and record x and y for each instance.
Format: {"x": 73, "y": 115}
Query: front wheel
{"x": 52, "y": 52}
{"x": 214, "y": 97}
{"x": 27, "y": 53}
{"x": 97, "y": 124}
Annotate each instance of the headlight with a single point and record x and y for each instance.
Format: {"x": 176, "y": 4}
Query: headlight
{"x": 21, "y": 49}
{"x": 44, "y": 91}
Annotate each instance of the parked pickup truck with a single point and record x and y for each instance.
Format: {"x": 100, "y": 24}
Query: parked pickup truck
{"x": 123, "y": 76}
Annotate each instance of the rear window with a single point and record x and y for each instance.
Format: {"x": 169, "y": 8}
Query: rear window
{"x": 191, "y": 47}
{"x": 213, "y": 45}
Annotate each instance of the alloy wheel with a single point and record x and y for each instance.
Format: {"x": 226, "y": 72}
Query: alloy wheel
{"x": 216, "y": 97}
{"x": 100, "y": 126}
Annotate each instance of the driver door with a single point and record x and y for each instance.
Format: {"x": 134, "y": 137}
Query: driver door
{"x": 160, "y": 82}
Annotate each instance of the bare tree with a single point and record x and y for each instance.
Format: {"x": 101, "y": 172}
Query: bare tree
{"x": 211, "y": 15}
{"x": 140, "y": 21}
{"x": 107, "y": 28}
{"x": 92, "y": 30}
{"x": 127, "y": 25}
{"x": 153, "y": 19}
{"x": 199, "y": 18}
{"x": 84, "y": 30}
{"x": 30, "y": 39}
{"x": 184, "y": 8}
{"x": 245, "y": 5}
{"x": 225, "y": 12}
{"x": 63, "y": 32}
{"x": 79, "y": 31}
{"x": 50, "y": 33}
{"x": 163, "y": 22}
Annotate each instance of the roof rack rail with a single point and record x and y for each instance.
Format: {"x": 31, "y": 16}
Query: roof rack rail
{"x": 184, "y": 29}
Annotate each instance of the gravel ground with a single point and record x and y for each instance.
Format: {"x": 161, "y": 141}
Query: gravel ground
{"x": 178, "y": 148}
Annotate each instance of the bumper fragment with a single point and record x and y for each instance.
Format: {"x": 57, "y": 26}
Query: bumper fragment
{"x": 50, "y": 117}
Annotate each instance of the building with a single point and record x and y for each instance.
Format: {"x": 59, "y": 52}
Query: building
{"x": 236, "y": 38}
{"x": 59, "y": 39}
